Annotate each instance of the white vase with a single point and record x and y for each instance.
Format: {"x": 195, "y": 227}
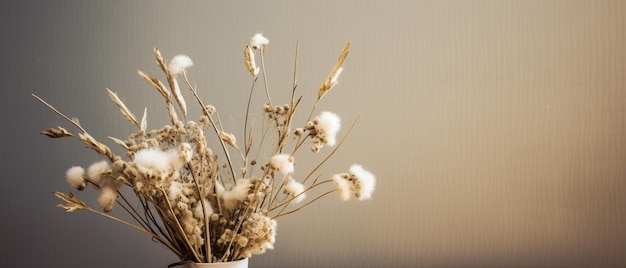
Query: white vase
{"x": 231, "y": 264}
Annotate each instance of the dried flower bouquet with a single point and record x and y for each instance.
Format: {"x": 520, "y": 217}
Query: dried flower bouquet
{"x": 194, "y": 203}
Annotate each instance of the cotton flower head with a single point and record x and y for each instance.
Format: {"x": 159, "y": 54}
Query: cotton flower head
{"x": 178, "y": 64}
{"x": 153, "y": 162}
{"x": 258, "y": 41}
{"x": 158, "y": 163}
{"x": 183, "y": 156}
{"x": 284, "y": 163}
{"x": 357, "y": 181}
{"x": 197, "y": 209}
{"x": 175, "y": 190}
{"x": 324, "y": 129}
{"x": 364, "y": 179}
{"x": 97, "y": 171}
{"x": 342, "y": 185}
{"x": 107, "y": 198}
{"x": 76, "y": 177}
{"x": 295, "y": 190}
{"x": 237, "y": 194}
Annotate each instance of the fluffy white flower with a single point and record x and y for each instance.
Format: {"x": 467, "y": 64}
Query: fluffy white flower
{"x": 182, "y": 157}
{"x": 327, "y": 125}
{"x": 258, "y": 41}
{"x": 236, "y": 194}
{"x": 107, "y": 198}
{"x": 96, "y": 171}
{"x": 343, "y": 187}
{"x": 219, "y": 188}
{"x": 197, "y": 209}
{"x": 175, "y": 190}
{"x": 295, "y": 189}
{"x": 155, "y": 162}
{"x": 178, "y": 64}
{"x": 284, "y": 163}
{"x": 76, "y": 177}
{"x": 365, "y": 179}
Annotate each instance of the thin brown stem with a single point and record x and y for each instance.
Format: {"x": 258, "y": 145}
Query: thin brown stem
{"x": 284, "y": 205}
{"x": 60, "y": 113}
{"x": 208, "y": 115}
{"x": 160, "y": 239}
{"x": 303, "y": 206}
{"x": 332, "y": 152}
{"x": 267, "y": 91}
{"x": 245, "y": 125}
{"x": 181, "y": 231}
{"x": 207, "y": 245}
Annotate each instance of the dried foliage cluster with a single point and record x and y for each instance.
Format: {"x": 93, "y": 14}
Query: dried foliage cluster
{"x": 195, "y": 203}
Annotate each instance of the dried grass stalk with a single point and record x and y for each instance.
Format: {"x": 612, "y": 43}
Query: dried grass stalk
{"x": 71, "y": 202}
{"x": 125, "y": 111}
{"x": 57, "y": 132}
{"x": 144, "y": 120}
{"x": 248, "y": 56}
{"x": 228, "y": 139}
{"x": 331, "y": 81}
{"x": 156, "y": 83}
{"x": 171, "y": 81}
{"x": 99, "y": 147}
{"x": 119, "y": 142}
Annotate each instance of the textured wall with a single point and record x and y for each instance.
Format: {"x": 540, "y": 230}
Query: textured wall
{"x": 496, "y": 128}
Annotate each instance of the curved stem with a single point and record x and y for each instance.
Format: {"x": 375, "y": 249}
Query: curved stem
{"x": 208, "y": 115}
{"x": 303, "y": 206}
{"x": 60, "y": 113}
{"x": 245, "y": 125}
{"x": 332, "y": 152}
{"x": 267, "y": 92}
{"x": 160, "y": 239}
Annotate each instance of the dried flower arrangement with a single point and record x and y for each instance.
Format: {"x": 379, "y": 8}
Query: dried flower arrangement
{"x": 198, "y": 207}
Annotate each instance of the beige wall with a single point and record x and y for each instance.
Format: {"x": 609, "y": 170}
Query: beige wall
{"x": 496, "y": 129}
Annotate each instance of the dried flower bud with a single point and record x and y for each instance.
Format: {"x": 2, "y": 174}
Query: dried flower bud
{"x": 280, "y": 110}
{"x": 299, "y": 132}
{"x": 210, "y": 109}
{"x": 228, "y": 138}
{"x": 185, "y": 152}
{"x": 242, "y": 241}
{"x": 316, "y": 147}
{"x": 309, "y": 125}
